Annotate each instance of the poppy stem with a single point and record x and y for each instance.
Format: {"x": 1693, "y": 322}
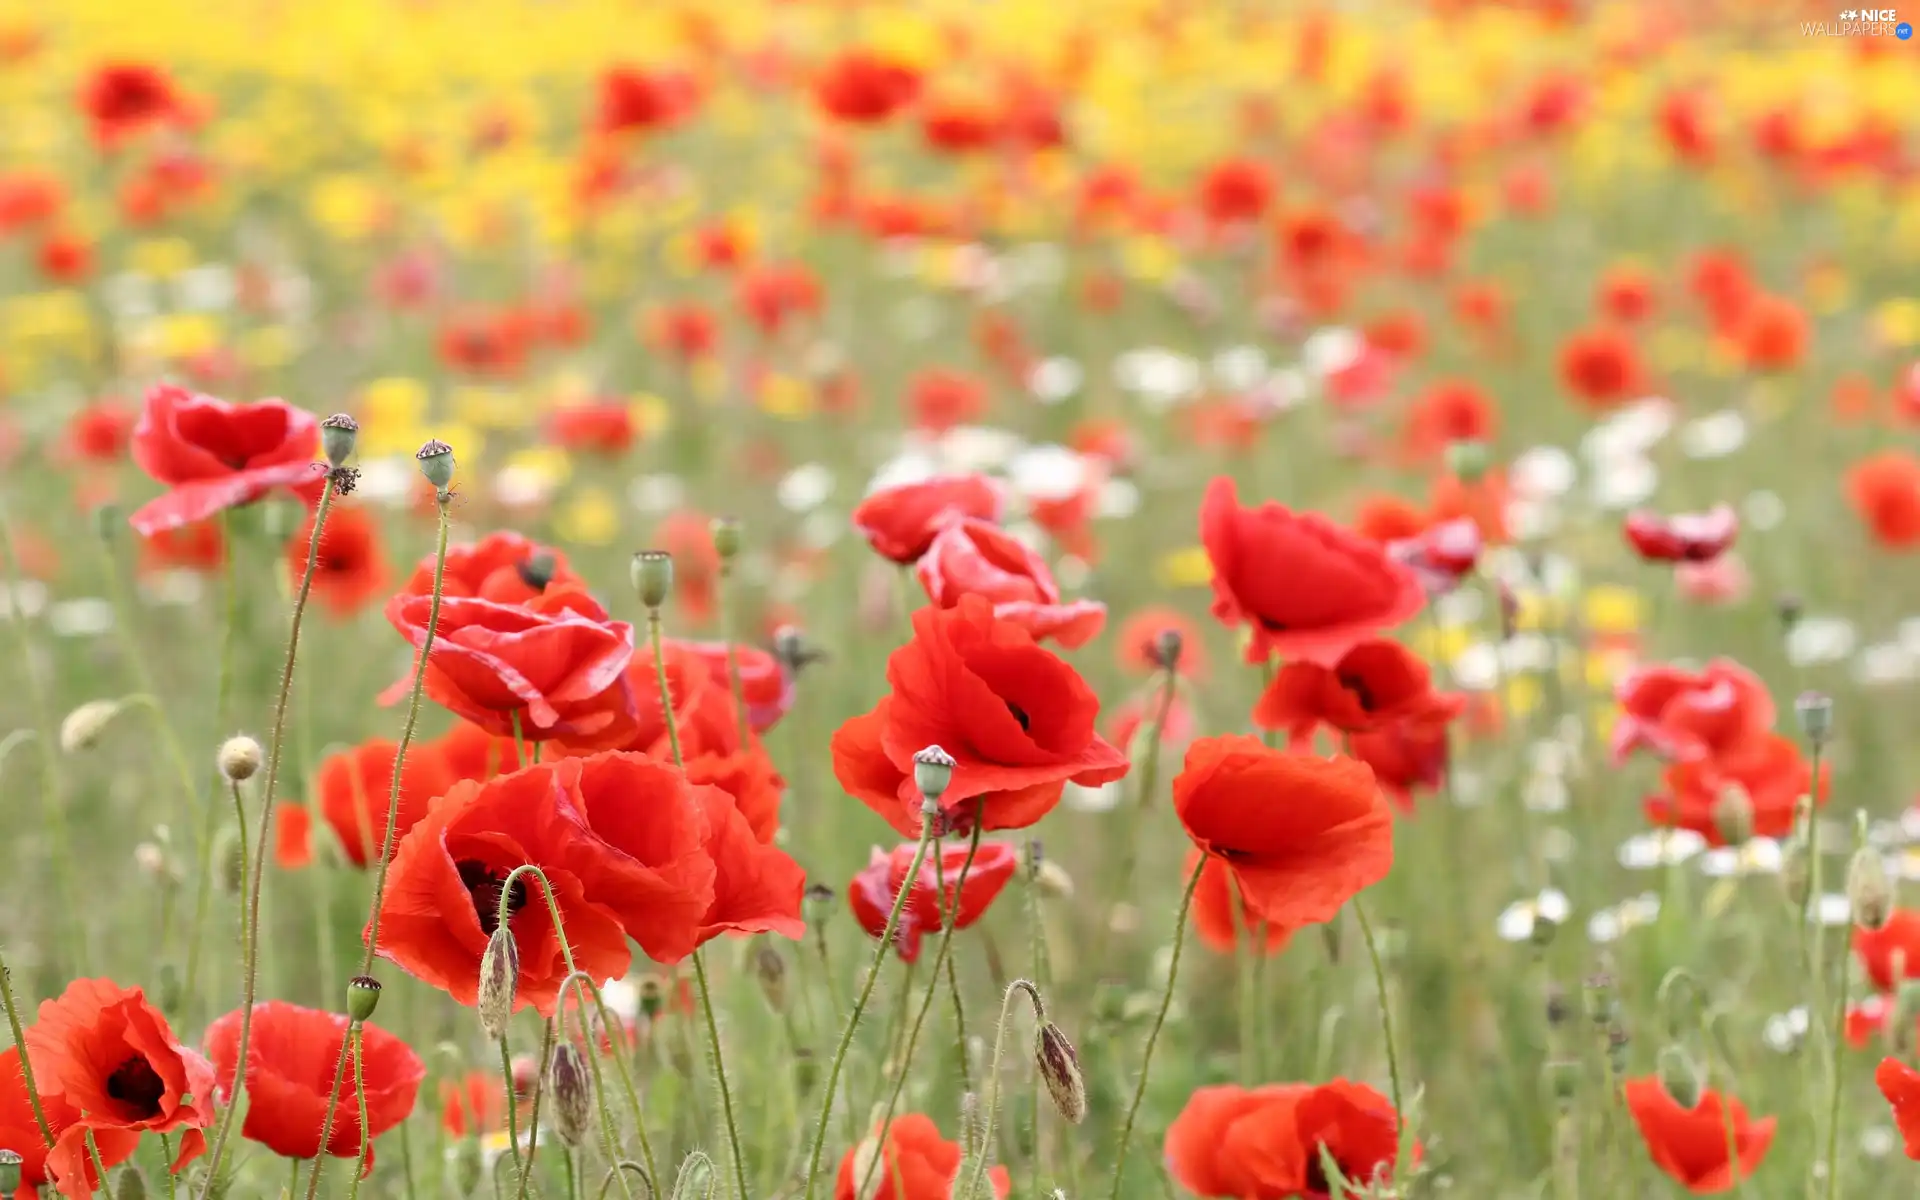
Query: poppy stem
{"x": 20, "y": 1045}
{"x": 361, "y": 1164}
{"x": 929, "y": 813}
{"x": 735, "y": 686}
{"x": 513, "y": 1105}
{"x": 990, "y": 1115}
{"x": 250, "y": 918}
{"x": 1386, "y": 1033}
{"x": 223, "y": 692}
{"x": 943, "y": 957}
{"x": 1833, "y": 1070}
{"x": 1147, "y": 777}
{"x": 609, "y": 1139}
{"x": 720, "y": 1074}
{"x": 951, "y": 915}
{"x": 326, "y": 1122}
{"x": 1153, "y": 1035}
{"x": 533, "y": 1114}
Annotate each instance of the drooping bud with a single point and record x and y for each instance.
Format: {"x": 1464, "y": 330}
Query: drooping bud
{"x": 932, "y": 772}
{"x": 1679, "y": 1077}
{"x": 1167, "y": 645}
{"x": 1059, "y": 1066}
{"x": 572, "y": 1088}
{"x": 696, "y": 1180}
{"x": 229, "y": 857}
{"x": 770, "y": 969}
{"x": 363, "y": 996}
{"x": 436, "y": 463}
{"x": 537, "y": 570}
{"x": 652, "y": 574}
{"x": 83, "y": 726}
{"x": 337, "y": 435}
{"x": 1796, "y": 871}
{"x": 239, "y": 758}
{"x": 1468, "y": 460}
{"x": 1815, "y": 711}
{"x": 9, "y": 1172}
{"x": 130, "y": 1186}
{"x": 726, "y": 538}
{"x": 1733, "y": 815}
{"x": 1869, "y": 889}
{"x": 499, "y": 979}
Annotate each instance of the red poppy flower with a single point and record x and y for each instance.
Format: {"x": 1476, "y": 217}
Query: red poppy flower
{"x": 1389, "y": 519}
{"x": 1626, "y": 294}
{"x": 1720, "y": 712}
{"x": 474, "y": 1104}
{"x": 350, "y": 571}
{"x": 20, "y": 1132}
{"x": 635, "y": 100}
{"x": 1018, "y": 721}
{"x": 554, "y": 667}
{"x": 355, "y": 786}
{"x": 1900, "y": 1084}
{"x": 200, "y": 546}
{"x": 861, "y": 88}
{"x": 470, "y": 752}
{"x": 1692, "y": 1145}
{"x": 914, "y": 1163}
{"x": 772, "y": 294}
{"x": 1139, "y": 642}
{"x": 1235, "y": 190}
{"x": 1770, "y": 771}
{"x": 503, "y": 566}
{"x": 757, "y": 887}
{"x": 1443, "y": 554}
{"x": 1449, "y": 412}
{"x": 484, "y": 342}
{"x": 99, "y": 433}
{"x": 215, "y": 455}
{"x": 112, "y": 1056}
{"x": 1601, "y": 368}
{"x": 1884, "y": 490}
{"x": 687, "y": 536}
{"x": 604, "y": 428}
{"x": 122, "y": 98}
{"x": 686, "y": 331}
{"x": 1222, "y": 918}
{"x": 871, "y": 894}
{"x": 939, "y": 399}
{"x": 1772, "y": 333}
{"x": 1683, "y": 537}
{"x": 64, "y": 257}
{"x": 1891, "y": 953}
{"x": 900, "y": 522}
{"x": 1297, "y": 862}
{"x": 1235, "y": 1143}
{"x": 291, "y": 1054}
{"x": 1374, "y": 684}
{"x": 293, "y": 835}
{"x": 1307, "y": 588}
{"x": 977, "y": 558}
{"x": 764, "y": 683}
{"x": 444, "y": 890}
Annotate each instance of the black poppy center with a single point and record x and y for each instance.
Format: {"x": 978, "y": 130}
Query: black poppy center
{"x": 1020, "y": 715}
{"x": 1357, "y": 684}
{"x": 336, "y": 563}
{"x": 137, "y": 1085}
{"x": 484, "y": 884}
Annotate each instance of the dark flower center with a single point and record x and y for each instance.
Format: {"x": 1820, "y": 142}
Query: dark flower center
{"x": 1020, "y": 715}
{"x": 137, "y": 1085}
{"x": 336, "y": 563}
{"x": 1358, "y": 686}
{"x": 484, "y": 885}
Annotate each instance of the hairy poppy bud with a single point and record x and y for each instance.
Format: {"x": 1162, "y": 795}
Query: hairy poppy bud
{"x": 467, "y": 1166}
{"x": 239, "y": 758}
{"x": 229, "y": 857}
{"x": 1796, "y": 873}
{"x": 806, "y": 1071}
{"x": 652, "y": 574}
{"x": 770, "y": 969}
{"x": 83, "y": 726}
{"x": 337, "y": 435}
{"x": 1563, "y": 1079}
{"x": 696, "y": 1181}
{"x": 1905, "y": 1015}
{"x": 1679, "y": 1077}
{"x": 1167, "y": 645}
{"x": 1597, "y": 991}
{"x": 1059, "y": 1067}
{"x": 1816, "y": 717}
{"x": 536, "y": 570}
{"x": 436, "y": 463}
{"x": 572, "y": 1090}
{"x": 1869, "y": 890}
{"x": 932, "y": 772}
{"x": 130, "y": 1186}
{"x": 363, "y": 996}
{"x": 9, "y": 1172}
{"x": 653, "y": 995}
{"x": 726, "y": 538}
{"x": 499, "y": 977}
{"x": 972, "y": 1132}
{"x": 1733, "y": 815}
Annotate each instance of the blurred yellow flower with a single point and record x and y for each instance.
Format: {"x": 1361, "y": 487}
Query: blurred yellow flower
{"x": 652, "y": 416}
{"x": 1149, "y": 260}
{"x": 590, "y": 518}
{"x": 1611, "y": 609}
{"x": 186, "y": 335}
{"x": 346, "y": 206}
{"x": 1185, "y": 568}
{"x": 161, "y": 257}
{"x": 786, "y": 397}
{"x": 267, "y": 348}
{"x": 1523, "y": 695}
{"x": 493, "y": 408}
{"x": 1897, "y": 322}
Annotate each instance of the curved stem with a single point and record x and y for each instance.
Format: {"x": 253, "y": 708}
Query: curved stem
{"x": 533, "y": 1114}
{"x": 1386, "y": 1033}
{"x": 720, "y": 1075}
{"x": 953, "y": 975}
{"x": 1153, "y": 1035}
{"x": 250, "y": 922}
{"x": 513, "y": 1107}
{"x": 990, "y": 1119}
{"x": 20, "y": 1043}
{"x": 326, "y": 1123}
{"x": 361, "y": 1164}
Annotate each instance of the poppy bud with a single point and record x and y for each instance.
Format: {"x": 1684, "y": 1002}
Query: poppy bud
{"x": 106, "y": 521}
{"x": 652, "y": 575}
{"x": 229, "y": 859}
{"x": 499, "y": 977}
{"x": 972, "y": 1135}
{"x": 9, "y": 1172}
{"x": 1618, "y": 1041}
{"x": 1796, "y": 874}
{"x": 1563, "y": 1079}
{"x": 171, "y": 991}
{"x": 436, "y": 463}
{"x": 1059, "y": 1067}
{"x": 572, "y": 1089}
{"x": 806, "y": 1071}
{"x": 818, "y": 894}
{"x": 130, "y": 1186}
{"x": 1679, "y": 1077}
{"x": 337, "y": 435}
{"x": 1869, "y": 890}
{"x": 536, "y": 570}
{"x": 83, "y": 726}
{"x": 771, "y": 970}
{"x": 1467, "y": 460}
{"x": 467, "y": 1166}
{"x": 932, "y": 771}
{"x": 1789, "y": 608}
{"x": 726, "y": 538}
{"x": 1052, "y": 880}
{"x": 363, "y": 996}
{"x": 1167, "y": 645}
{"x": 1905, "y": 1015}
{"x": 1816, "y": 717}
{"x": 239, "y": 758}
{"x": 791, "y": 648}
{"x": 1733, "y": 815}
{"x": 653, "y": 995}
{"x": 696, "y": 1180}
{"x": 1556, "y": 1003}
{"x": 1542, "y": 932}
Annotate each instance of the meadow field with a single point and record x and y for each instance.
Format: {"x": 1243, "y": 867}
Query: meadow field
{"x": 1100, "y": 599}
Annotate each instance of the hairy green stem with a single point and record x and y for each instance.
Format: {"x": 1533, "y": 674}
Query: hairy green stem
{"x": 20, "y": 1044}
{"x": 1386, "y": 1033}
{"x": 1153, "y": 1034}
{"x": 223, "y": 694}
{"x": 990, "y": 1115}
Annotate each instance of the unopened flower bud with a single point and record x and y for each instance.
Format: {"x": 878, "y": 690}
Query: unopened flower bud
{"x": 1816, "y": 717}
{"x": 83, "y": 726}
{"x": 726, "y": 538}
{"x": 1679, "y": 1077}
{"x": 467, "y": 1166}
{"x": 1059, "y": 1067}
{"x": 1733, "y": 815}
{"x": 818, "y": 894}
{"x": 537, "y": 569}
{"x": 1052, "y": 880}
{"x": 363, "y": 996}
{"x": 1869, "y": 890}
{"x": 337, "y": 435}
{"x": 1789, "y": 608}
{"x": 652, "y": 574}
{"x": 572, "y": 1087}
{"x": 794, "y": 652}
{"x": 239, "y": 758}
{"x": 1556, "y": 1005}
{"x": 1167, "y": 645}
{"x": 972, "y": 1133}
{"x": 806, "y": 1071}
{"x": 653, "y": 995}
{"x": 499, "y": 978}
{"x": 697, "y": 1182}
{"x": 1597, "y": 994}
{"x": 107, "y": 520}
{"x": 130, "y": 1186}
{"x": 932, "y": 772}
{"x": 9, "y": 1172}
{"x": 1904, "y": 1016}
{"x": 1542, "y": 932}
{"x": 171, "y": 990}
{"x": 1796, "y": 872}
{"x": 1468, "y": 460}
{"x": 436, "y": 463}
{"x": 229, "y": 856}
{"x": 1563, "y": 1079}
{"x": 770, "y": 969}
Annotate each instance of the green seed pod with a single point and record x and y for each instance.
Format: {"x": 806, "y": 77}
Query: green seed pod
{"x": 1815, "y": 711}
{"x": 652, "y": 576}
{"x": 436, "y": 463}
{"x": 337, "y": 435}
{"x": 932, "y": 772}
{"x": 726, "y": 538}
{"x": 1869, "y": 889}
{"x": 363, "y": 996}
{"x": 9, "y": 1172}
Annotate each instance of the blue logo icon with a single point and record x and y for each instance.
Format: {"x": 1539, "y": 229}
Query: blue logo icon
{"x": 1903, "y": 31}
